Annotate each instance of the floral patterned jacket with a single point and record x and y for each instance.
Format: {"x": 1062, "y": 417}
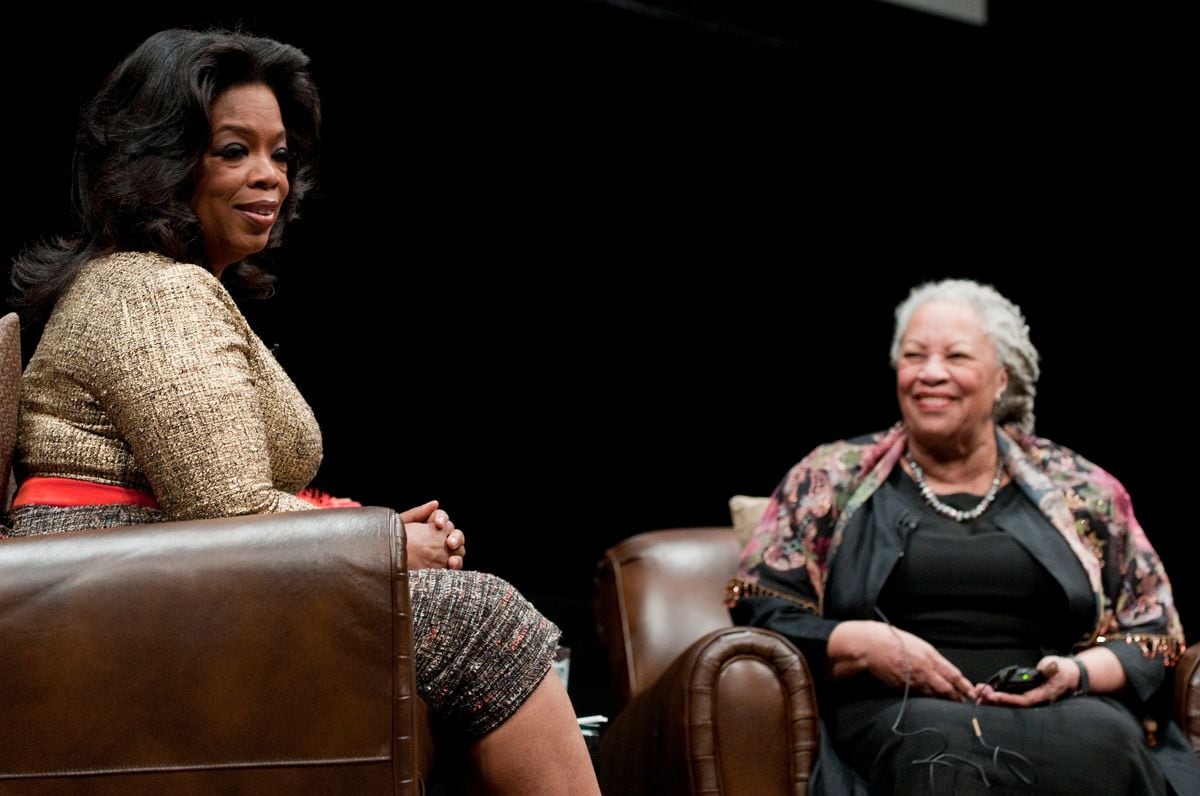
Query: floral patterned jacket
{"x": 788, "y": 558}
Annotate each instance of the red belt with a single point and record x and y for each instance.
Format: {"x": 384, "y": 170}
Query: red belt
{"x": 40, "y": 491}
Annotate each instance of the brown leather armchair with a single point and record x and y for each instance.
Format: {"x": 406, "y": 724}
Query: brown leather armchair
{"x": 264, "y": 654}
{"x": 260, "y": 655}
{"x": 705, "y": 707}
{"x": 701, "y": 706}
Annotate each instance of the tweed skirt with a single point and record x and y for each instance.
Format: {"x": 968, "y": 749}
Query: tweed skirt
{"x": 480, "y": 648}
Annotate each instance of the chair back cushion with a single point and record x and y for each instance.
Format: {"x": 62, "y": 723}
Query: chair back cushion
{"x": 747, "y": 512}
{"x": 657, "y": 593}
{"x": 264, "y": 654}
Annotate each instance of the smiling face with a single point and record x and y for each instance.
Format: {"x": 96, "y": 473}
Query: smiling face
{"x": 948, "y": 376}
{"x": 242, "y": 178}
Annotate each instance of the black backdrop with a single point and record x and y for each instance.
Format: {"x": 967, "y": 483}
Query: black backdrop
{"x": 581, "y": 272}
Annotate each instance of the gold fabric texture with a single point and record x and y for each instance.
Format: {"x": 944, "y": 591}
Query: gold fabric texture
{"x": 147, "y": 376}
{"x": 10, "y": 369}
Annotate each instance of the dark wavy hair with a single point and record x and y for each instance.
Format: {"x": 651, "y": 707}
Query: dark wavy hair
{"x": 139, "y": 143}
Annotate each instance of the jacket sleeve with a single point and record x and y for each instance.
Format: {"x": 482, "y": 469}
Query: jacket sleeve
{"x": 1140, "y": 622}
{"x": 177, "y": 385}
{"x": 781, "y": 576}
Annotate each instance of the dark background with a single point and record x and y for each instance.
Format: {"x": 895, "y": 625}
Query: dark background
{"x": 582, "y": 269}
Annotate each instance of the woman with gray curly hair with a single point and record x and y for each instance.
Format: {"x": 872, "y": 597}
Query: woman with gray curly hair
{"x": 1005, "y": 327}
{"x": 979, "y": 606}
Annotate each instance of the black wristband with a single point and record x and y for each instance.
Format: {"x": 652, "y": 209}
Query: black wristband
{"x": 1083, "y": 688}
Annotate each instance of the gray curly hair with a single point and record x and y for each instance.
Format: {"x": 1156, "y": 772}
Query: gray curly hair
{"x": 1004, "y": 325}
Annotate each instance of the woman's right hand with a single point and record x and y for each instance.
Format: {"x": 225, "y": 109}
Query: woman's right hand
{"x": 432, "y": 540}
{"x": 861, "y": 645}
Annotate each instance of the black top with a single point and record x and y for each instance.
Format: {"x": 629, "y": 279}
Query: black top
{"x": 971, "y": 588}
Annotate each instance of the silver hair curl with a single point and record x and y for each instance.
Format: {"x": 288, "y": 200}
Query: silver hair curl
{"x": 1004, "y": 325}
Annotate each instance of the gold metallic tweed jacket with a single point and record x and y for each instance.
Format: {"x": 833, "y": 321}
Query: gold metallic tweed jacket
{"x": 147, "y": 376}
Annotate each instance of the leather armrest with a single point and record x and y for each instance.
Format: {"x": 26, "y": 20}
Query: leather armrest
{"x": 735, "y": 713}
{"x": 269, "y": 653}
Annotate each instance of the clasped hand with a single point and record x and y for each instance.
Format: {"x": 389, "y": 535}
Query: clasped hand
{"x": 895, "y": 656}
{"x": 432, "y": 540}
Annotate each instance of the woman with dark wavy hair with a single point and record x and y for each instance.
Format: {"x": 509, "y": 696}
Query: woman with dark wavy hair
{"x": 137, "y": 147}
{"x": 149, "y": 398}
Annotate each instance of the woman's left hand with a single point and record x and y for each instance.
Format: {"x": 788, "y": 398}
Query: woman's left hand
{"x": 1061, "y": 679}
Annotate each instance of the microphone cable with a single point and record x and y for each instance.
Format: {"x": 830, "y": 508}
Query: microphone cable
{"x": 942, "y": 757}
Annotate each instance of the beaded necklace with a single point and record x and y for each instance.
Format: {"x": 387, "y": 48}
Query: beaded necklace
{"x": 950, "y": 511}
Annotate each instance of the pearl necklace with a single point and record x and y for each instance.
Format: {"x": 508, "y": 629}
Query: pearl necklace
{"x": 950, "y": 511}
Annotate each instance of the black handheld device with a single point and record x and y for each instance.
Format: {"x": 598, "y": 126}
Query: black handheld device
{"x": 1016, "y": 679}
